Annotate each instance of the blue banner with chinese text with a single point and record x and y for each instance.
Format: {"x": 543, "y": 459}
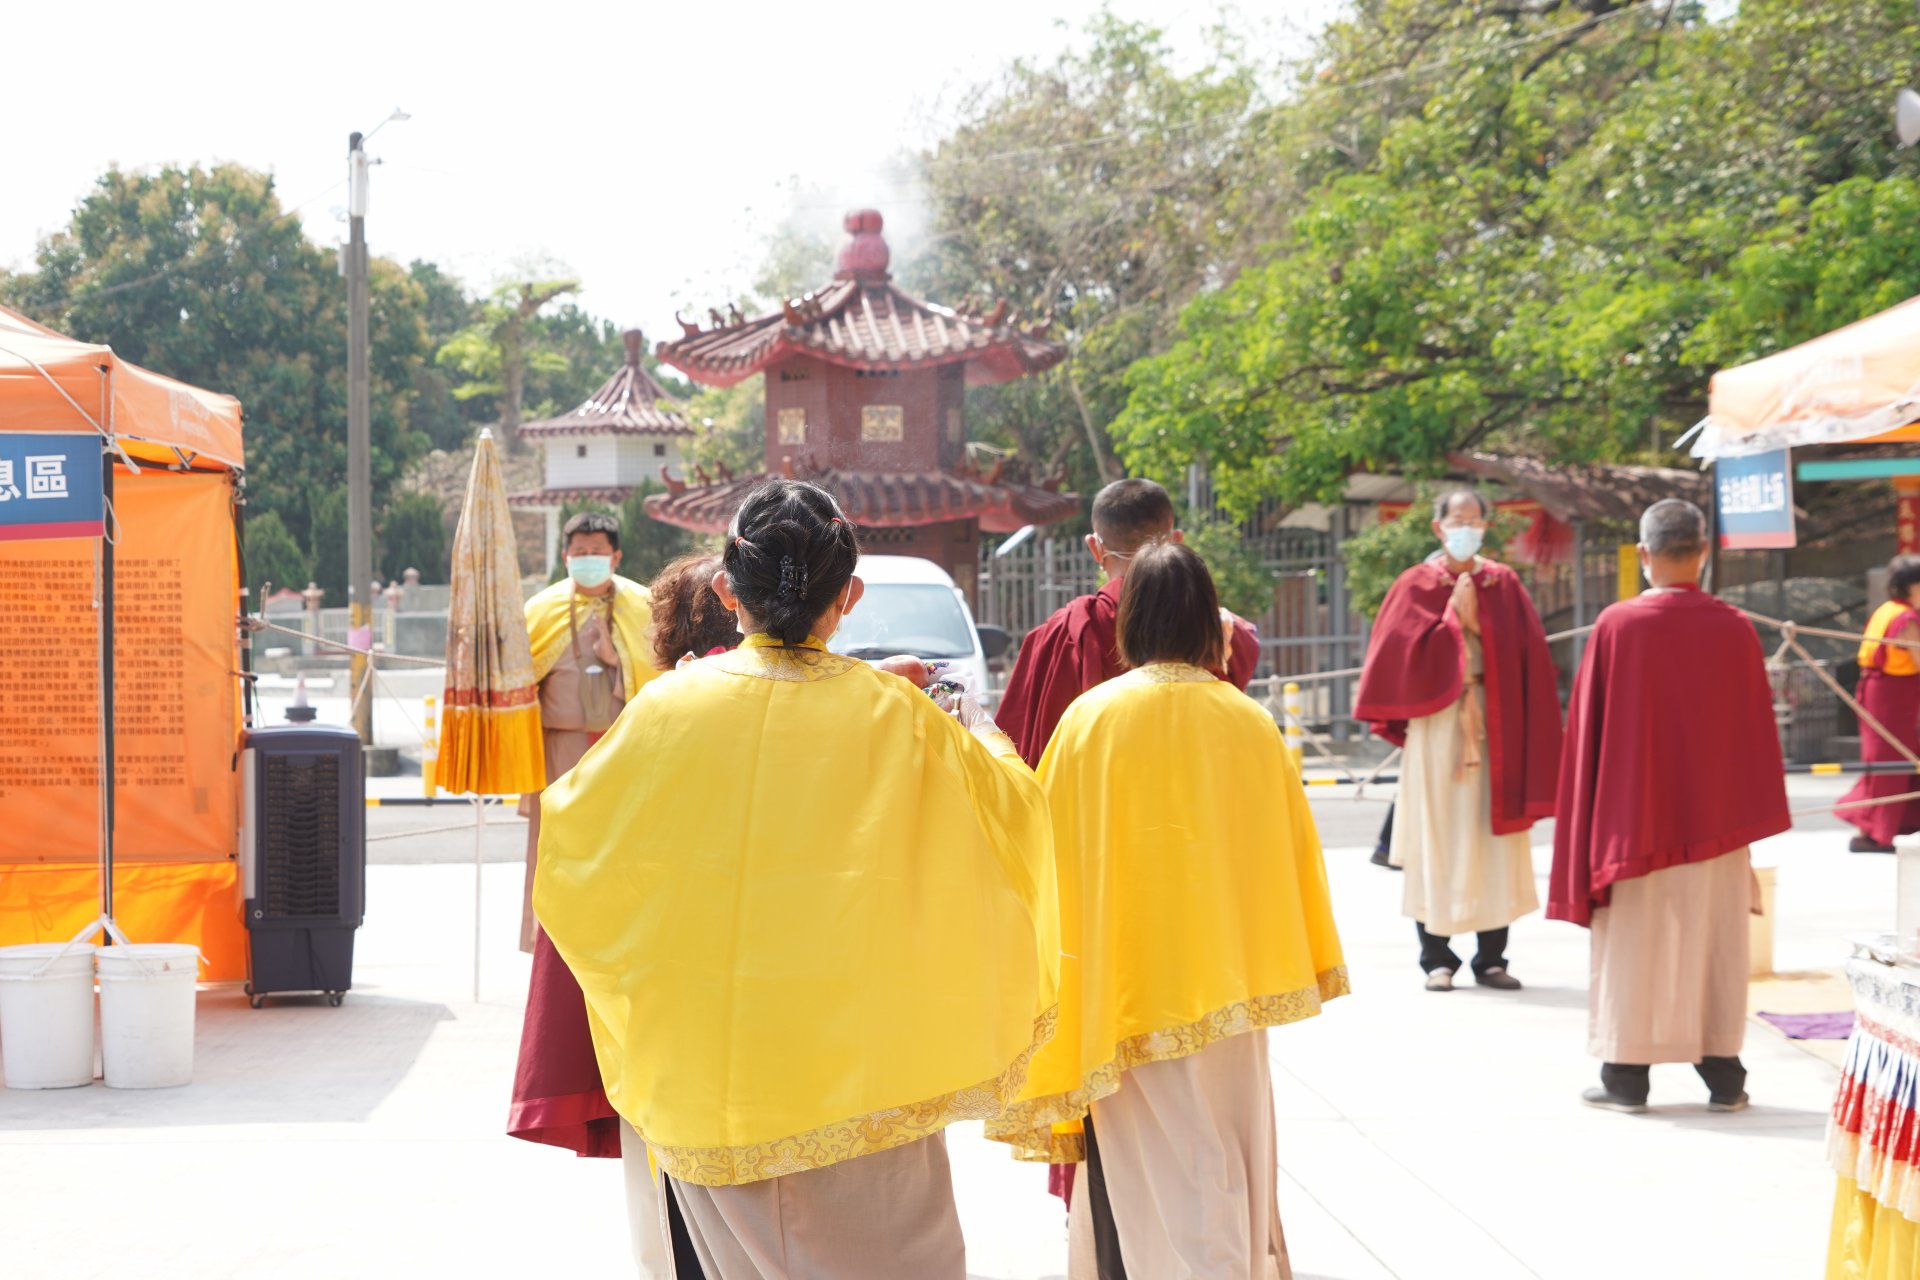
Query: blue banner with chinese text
{"x": 1753, "y": 501}
{"x": 50, "y": 486}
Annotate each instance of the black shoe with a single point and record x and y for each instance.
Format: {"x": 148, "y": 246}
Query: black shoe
{"x": 1609, "y": 1101}
{"x": 1867, "y": 844}
{"x": 1497, "y": 977}
{"x": 1382, "y": 857}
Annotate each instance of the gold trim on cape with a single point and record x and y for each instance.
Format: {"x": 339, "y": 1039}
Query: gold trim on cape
{"x": 859, "y": 1136}
{"x": 1028, "y": 1126}
{"x": 1171, "y": 673}
{"x": 762, "y": 657}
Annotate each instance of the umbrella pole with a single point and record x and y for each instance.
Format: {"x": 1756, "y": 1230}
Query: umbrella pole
{"x": 479, "y": 843}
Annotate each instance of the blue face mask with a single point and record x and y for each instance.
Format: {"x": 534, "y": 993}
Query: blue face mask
{"x": 589, "y": 571}
{"x": 1462, "y": 541}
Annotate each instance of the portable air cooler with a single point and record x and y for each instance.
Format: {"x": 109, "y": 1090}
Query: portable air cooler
{"x": 304, "y": 859}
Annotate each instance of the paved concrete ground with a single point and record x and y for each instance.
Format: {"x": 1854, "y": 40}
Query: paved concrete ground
{"x": 1421, "y": 1136}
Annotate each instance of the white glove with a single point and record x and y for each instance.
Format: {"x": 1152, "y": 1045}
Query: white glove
{"x": 955, "y": 691}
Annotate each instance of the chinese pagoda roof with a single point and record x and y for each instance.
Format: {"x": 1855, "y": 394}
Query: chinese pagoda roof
{"x": 609, "y": 495}
{"x": 879, "y": 499}
{"x": 628, "y": 403}
{"x": 862, "y": 321}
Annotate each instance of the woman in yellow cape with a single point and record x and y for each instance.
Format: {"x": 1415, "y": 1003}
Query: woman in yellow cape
{"x": 1194, "y": 914}
{"x": 814, "y": 919}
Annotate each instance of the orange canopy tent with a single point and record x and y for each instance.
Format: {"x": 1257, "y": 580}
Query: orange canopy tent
{"x": 152, "y": 608}
{"x": 1858, "y": 383}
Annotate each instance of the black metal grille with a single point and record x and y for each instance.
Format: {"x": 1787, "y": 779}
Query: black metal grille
{"x": 300, "y": 838}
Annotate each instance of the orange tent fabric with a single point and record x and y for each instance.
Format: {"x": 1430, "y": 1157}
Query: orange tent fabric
{"x": 49, "y": 382}
{"x": 177, "y": 720}
{"x": 1858, "y": 383}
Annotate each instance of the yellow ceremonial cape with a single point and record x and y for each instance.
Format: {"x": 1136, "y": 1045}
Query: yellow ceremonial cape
{"x": 632, "y": 618}
{"x": 1193, "y": 898}
{"x": 813, "y": 917}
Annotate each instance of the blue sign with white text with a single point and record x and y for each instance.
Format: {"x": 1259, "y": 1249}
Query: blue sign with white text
{"x": 50, "y": 486}
{"x": 1753, "y": 501}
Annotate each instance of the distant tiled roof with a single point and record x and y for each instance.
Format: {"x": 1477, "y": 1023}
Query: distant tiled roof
{"x": 630, "y": 403}
{"x": 1589, "y": 491}
{"x": 611, "y": 496}
{"x": 880, "y": 499}
{"x": 861, "y": 321}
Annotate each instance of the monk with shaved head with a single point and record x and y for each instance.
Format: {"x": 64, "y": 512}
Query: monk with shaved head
{"x": 1671, "y": 769}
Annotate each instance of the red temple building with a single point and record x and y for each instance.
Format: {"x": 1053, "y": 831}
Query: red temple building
{"x": 866, "y": 396}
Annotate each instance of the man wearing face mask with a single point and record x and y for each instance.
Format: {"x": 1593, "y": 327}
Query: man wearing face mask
{"x": 1656, "y": 810}
{"x": 589, "y": 635}
{"x": 1458, "y": 673}
{"x": 1077, "y": 647}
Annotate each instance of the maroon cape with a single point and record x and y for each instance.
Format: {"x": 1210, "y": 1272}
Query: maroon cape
{"x": 1895, "y": 702}
{"x": 1071, "y": 652}
{"x": 1417, "y": 662}
{"x": 1672, "y": 752}
{"x": 557, "y": 1095}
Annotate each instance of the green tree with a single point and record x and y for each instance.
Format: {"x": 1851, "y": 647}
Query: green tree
{"x": 1519, "y": 219}
{"x": 413, "y": 535}
{"x": 500, "y": 351}
{"x": 1099, "y": 191}
{"x": 273, "y": 557}
{"x": 328, "y": 548}
{"x": 645, "y": 543}
{"x": 448, "y": 421}
{"x": 201, "y": 274}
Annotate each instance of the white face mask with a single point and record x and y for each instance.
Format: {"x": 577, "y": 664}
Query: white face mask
{"x": 589, "y": 571}
{"x": 1462, "y": 540}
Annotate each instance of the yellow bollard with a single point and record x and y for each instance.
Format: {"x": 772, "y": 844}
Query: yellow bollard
{"x": 1296, "y": 743}
{"x": 430, "y": 751}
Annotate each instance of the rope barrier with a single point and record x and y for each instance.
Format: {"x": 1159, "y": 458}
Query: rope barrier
{"x": 254, "y": 622}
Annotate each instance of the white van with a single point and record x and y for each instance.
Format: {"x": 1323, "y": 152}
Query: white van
{"x": 912, "y": 606}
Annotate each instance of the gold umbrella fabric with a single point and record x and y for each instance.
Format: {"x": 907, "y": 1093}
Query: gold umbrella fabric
{"x": 490, "y": 740}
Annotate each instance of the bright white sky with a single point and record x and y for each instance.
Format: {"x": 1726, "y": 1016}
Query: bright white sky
{"x": 646, "y": 147}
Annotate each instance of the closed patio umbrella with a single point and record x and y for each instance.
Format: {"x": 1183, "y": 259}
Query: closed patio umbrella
{"x": 490, "y": 741}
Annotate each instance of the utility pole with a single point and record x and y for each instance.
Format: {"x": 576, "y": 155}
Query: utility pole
{"x": 359, "y": 445}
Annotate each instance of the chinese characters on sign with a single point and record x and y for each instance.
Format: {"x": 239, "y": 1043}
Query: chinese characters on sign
{"x": 49, "y": 674}
{"x": 883, "y": 422}
{"x": 1753, "y": 502}
{"x": 50, "y": 486}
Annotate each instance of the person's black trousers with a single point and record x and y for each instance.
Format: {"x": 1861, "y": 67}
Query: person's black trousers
{"x": 1726, "y": 1079}
{"x": 1435, "y": 953}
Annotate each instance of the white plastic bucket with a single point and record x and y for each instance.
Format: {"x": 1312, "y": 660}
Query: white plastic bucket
{"x": 146, "y": 1014}
{"x": 46, "y": 1015}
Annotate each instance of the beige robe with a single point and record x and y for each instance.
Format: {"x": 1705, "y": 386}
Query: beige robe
{"x": 1188, "y": 1152}
{"x": 561, "y": 716}
{"x": 1461, "y": 878}
{"x": 886, "y": 1216}
{"x": 1670, "y": 964}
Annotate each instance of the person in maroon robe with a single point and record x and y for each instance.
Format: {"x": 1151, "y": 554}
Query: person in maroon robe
{"x": 1889, "y": 689}
{"x": 1671, "y": 770}
{"x": 1458, "y": 673}
{"x": 1077, "y": 647}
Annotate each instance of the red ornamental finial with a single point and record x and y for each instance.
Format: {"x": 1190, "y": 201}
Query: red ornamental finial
{"x": 865, "y": 254}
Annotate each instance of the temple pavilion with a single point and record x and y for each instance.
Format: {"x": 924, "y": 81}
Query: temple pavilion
{"x": 866, "y": 396}
{"x": 624, "y": 434}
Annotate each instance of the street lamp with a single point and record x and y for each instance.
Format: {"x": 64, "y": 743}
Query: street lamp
{"x": 359, "y": 433}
